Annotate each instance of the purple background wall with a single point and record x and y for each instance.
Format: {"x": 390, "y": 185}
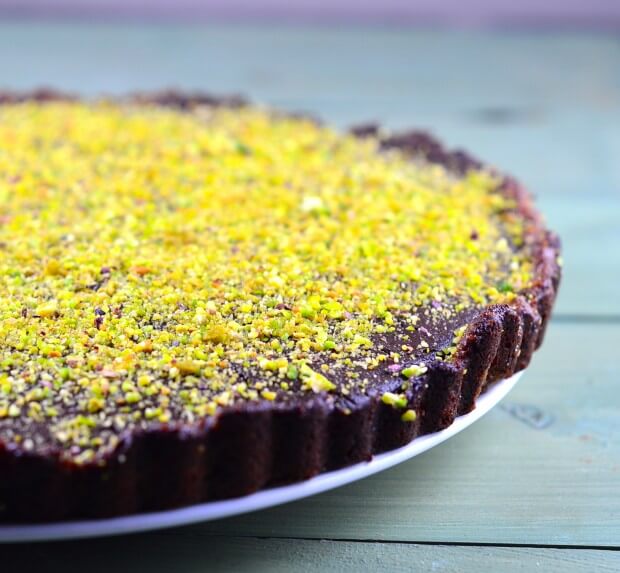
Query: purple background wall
{"x": 464, "y": 12}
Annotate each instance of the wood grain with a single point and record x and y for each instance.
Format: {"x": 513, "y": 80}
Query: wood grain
{"x": 190, "y": 554}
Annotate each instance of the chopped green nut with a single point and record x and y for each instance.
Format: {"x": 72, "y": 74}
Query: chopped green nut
{"x": 14, "y": 410}
{"x": 268, "y": 395}
{"x": 242, "y": 148}
{"x": 133, "y": 397}
{"x": 394, "y": 400}
{"x": 292, "y": 372}
{"x": 308, "y": 312}
{"x": 274, "y": 365}
{"x": 95, "y": 405}
{"x": 187, "y": 367}
{"x": 409, "y": 416}
{"x": 217, "y": 334}
{"x": 47, "y": 310}
{"x": 414, "y": 370}
{"x": 314, "y": 381}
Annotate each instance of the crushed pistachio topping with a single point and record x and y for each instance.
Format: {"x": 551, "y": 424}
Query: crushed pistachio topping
{"x": 156, "y": 265}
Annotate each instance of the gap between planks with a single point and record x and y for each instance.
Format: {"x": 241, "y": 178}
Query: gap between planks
{"x": 612, "y": 548}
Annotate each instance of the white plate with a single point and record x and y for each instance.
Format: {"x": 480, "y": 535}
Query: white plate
{"x": 260, "y": 500}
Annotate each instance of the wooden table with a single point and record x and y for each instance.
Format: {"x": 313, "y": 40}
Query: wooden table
{"x": 533, "y": 486}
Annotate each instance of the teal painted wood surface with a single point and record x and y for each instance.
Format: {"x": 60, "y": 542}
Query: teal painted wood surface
{"x": 188, "y": 554}
{"x": 542, "y": 471}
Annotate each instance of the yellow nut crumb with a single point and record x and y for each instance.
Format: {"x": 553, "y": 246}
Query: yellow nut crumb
{"x": 268, "y": 395}
{"x": 186, "y": 367}
{"x": 409, "y": 416}
{"x": 47, "y": 310}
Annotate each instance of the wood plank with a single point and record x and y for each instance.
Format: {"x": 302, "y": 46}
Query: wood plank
{"x": 439, "y": 68}
{"x": 590, "y": 233}
{"x": 507, "y": 479}
{"x": 404, "y": 74}
{"x": 188, "y": 553}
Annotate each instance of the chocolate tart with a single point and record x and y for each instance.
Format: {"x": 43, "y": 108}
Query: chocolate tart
{"x": 201, "y": 298}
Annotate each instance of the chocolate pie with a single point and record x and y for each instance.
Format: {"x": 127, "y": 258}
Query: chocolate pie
{"x": 201, "y": 298}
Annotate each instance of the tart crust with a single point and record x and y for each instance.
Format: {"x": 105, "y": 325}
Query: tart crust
{"x": 248, "y": 447}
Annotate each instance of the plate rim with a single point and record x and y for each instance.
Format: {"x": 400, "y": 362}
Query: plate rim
{"x": 262, "y": 499}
